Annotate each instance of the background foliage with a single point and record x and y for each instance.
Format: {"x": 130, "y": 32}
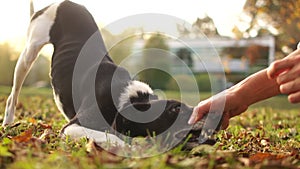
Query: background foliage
{"x": 276, "y": 17}
{"x": 157, "y": 61}
{"x": 38, "y": 76}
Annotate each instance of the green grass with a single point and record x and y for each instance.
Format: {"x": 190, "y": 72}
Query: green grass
{"x": 266, "y": 136}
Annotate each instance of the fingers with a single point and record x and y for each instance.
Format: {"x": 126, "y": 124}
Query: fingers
{"x": 194, "y": 117}
{"x": 290, "y": 87}
{"x": 202, "y": 109}
{"x": 290, "y": 75}
{"x": 199, "y": 111}
{"x": 278, "y": 67}
{"x": 294, "y": 97}
{"x": 287, "y": 74}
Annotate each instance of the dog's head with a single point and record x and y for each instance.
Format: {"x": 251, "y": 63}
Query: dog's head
{"x": 145, "y": 115}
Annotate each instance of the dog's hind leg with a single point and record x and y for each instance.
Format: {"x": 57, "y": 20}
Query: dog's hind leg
{"x": 37, "y": 37}
{"x": 76, "y": 131}
{"x": 22, "y": 68}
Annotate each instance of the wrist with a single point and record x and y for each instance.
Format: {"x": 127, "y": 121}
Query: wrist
{"x": 240, "y": 95}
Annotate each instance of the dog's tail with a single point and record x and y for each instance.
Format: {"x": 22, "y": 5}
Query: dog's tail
{"x": 31, "y": 8}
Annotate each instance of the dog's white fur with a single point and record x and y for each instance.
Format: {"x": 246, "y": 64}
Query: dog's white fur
{"x": 37, "y": 37}
{"x": 131, "y": 91}
{"x": 59, "y": 105}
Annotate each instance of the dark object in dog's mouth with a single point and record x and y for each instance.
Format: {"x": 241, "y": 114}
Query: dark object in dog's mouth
{"x": 203, "y": 132}
{"x": 195, "y": 138}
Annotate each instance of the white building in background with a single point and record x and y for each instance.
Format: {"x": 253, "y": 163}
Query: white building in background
{"x": 206, "y": 54}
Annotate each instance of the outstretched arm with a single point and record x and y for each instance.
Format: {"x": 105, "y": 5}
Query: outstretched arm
{"x": 239, "y": 97}
{"x": 282, "y": 76}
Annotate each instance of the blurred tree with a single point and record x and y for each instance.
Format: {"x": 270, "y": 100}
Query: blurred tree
{"x": 156, "y": 60}
{"x": 119, "y": 46}
{"x": 239, "y": 34}
{"x": 205, "y": 26}
{"x": 7, "y": 63}
{"x": 8, "y": 59}
{"x": 278, "y": 17}
{"x": 157, "y": 41}
{"x": 186, "y": 56}
{"x": 257, "y": 54}
{"x": 39, "y": 73}
{"x": 184, "y": 30}
{"x": 233, "y": 52}
{"x": 202, "y": 26}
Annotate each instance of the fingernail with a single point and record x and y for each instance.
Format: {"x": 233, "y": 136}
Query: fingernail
{"x": 193, "y": 116}
{"x": 191, "y": 120}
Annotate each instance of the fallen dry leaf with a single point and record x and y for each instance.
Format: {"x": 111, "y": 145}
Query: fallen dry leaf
{"x": 45, "y": 126}
{"x": 32, "y": 120}
{"x": 23, "y": 137}
{"x": 260, "y": 157}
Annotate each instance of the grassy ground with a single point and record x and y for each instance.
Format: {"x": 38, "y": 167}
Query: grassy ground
{"x": 266, "y": 136}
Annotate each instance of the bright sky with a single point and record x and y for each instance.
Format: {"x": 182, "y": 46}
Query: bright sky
{"x": 14, "y": 14}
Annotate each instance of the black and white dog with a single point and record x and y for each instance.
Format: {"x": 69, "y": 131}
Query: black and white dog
{"x": 121, "y": 105}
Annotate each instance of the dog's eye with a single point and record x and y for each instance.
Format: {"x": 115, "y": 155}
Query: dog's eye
{"x": 176, "y": 109}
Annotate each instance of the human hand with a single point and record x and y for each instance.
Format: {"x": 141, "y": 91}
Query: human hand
{"x": 287, "y": 74}
{"x": 227, "y": 102}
